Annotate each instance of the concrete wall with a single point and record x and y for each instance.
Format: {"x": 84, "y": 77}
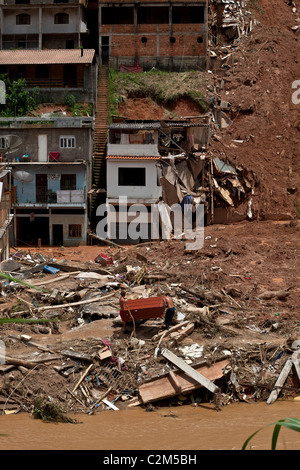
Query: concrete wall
{"x": 46, "y": 24}
{"x": 30, "y": 142}
{"x": 24, "y": 229}
{"x": 26, "y": 191}
{"x": 151, "y": 190}
{"x": 66, "y": 220}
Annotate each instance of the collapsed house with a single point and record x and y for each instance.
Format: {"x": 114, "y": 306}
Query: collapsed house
{"x": 163, "y": 162}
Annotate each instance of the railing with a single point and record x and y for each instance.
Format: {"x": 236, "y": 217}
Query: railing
{"x": 47, "y": 196}
{"x": 26, "y": 44}
{"x": 54, "y": 83}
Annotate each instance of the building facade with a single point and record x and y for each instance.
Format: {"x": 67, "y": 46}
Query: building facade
{"x": 166, "y": 35}
{"x": 47, "y": 24}
{"x": 51, "y": 173}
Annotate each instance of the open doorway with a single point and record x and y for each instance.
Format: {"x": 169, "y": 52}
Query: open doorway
{"x": 58, "y": 234}
{"x": 29, "y": 231}
{"x": 105, "y": 48}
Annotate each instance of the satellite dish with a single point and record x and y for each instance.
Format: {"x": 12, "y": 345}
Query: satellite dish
{"x": 23, "y": 176}
{"x": 9, "y": 143}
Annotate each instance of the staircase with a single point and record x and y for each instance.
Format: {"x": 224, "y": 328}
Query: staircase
{"x": 100, "y": 140}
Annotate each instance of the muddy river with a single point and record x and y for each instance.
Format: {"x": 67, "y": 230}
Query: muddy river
{"x": 165, "y": 429}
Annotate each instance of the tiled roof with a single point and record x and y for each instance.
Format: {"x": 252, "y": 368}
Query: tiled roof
{"x": 46, "y": 56}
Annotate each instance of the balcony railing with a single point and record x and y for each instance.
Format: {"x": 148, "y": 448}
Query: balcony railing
{"x": 46, "y": 196}
{"x": 54, "y": 83}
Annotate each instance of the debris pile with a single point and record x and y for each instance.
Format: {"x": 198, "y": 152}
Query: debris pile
{"x": 200, "y": 358}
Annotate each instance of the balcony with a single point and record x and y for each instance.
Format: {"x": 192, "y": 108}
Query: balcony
{"x": 48, "y": 198}
{"x": 54, "y": 83}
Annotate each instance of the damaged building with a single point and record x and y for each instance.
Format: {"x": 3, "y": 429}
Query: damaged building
{"x": 160, "y": 163}
{"x": 166, "y": 35}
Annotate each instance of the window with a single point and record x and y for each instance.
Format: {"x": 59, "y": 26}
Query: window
{"x": 153, "y": 15}
{"x": 23, "y": 18}
{"x": 4, "y": 143}
{"x": 75, "y": 231}
{"x": 132, "y": 176}
{"x": 113, "y": 15}
{"x": 67, "y": 142}
{"x": 61, "y": 18}
{"x": 68, "y": 182}
{"x": 191, "y": 14}
{"x": 21, "y": 2}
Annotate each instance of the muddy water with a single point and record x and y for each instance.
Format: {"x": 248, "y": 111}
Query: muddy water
{"x": 176, "y": 428}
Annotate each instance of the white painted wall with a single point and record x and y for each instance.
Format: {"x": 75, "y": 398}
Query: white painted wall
{"x": 152, "y": 190}
{"x": 76, "y": 21}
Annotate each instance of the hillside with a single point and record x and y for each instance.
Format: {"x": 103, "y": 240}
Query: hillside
{"x": 257, "y": 83}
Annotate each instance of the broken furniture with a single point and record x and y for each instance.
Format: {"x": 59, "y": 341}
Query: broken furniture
{"x": 182, "y": 381}
{"x": 143, "y": 309}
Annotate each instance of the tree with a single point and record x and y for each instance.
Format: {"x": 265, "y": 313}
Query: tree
{"x": 18, "y": 100}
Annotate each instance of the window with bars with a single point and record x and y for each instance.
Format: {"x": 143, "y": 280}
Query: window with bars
{"x": 75, "y": 231}
{"x": 61, "y": 18}
{"x": 23, "y": 18}
{"x": 67, "y": 142}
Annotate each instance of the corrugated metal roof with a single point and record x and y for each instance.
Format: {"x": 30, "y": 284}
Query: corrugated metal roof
{"x": 128, "y": 157}
{"x": 135, "y": 125}
{"x": 47, "y": 56}
{"x": 154, "y": 125}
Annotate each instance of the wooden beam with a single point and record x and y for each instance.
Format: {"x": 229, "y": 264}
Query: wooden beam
{"x": 189, "y": 370}
{"x": 175, "y": 383}
{"x": 280, "y": 381}
{"x": 161, "y": 387}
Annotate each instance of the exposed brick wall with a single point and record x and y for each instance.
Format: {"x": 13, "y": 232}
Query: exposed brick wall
{"x": 165, "y": 43}
{"x": 157, "y": 43}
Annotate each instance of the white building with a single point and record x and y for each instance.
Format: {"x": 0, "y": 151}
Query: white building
{"x": 132, "y": 178}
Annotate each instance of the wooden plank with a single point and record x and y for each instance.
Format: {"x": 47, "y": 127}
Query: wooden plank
{"x": 168, "y": 332}
{"x": 175, "y": 382}
{"x": 280, "y": 381}
{"x": 189, "y": 370}
{"x": 162, "y": 387}
{"x": 82, "y": 377}
{"x": 180, "y": 335}
{"x": 297, "y": 368}
{"x": 77, "y": 355}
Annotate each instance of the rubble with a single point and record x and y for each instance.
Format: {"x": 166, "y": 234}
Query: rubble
{"x": 150, "y": 365}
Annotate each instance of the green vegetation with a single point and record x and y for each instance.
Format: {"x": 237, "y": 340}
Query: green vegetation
{"x": 290, "y": 423}
{"x": 114, "y": 96}
{"x": 164, "y": 88}
{"x": 23, "y": 283}
{"x": 27, "y": 320}
{"x": 77, "y": 109}
{"x": 50, "y": 412}
{"x": 297, "y": 208}
{"x": 19, "y": 101}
